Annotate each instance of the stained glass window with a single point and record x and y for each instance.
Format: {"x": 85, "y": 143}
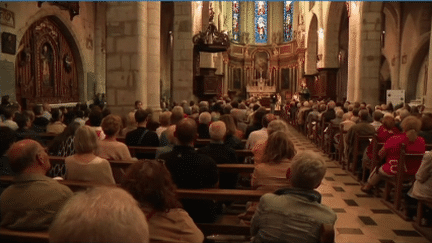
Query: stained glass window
{"x": 236, "y": 21}
{"x": 261, "y": 22}
{"x": 288, "y": 20}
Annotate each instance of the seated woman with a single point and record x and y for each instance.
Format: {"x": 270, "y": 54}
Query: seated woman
{"x": 422, "y": 188}
{"x": 231, "y": 138}
{"x": 110, "y": 148}
{"x": 85, "y": 165}
{"x": 384, "y": 132}
{"x": 56, "y": 124}
{"x": 63, "y": 144}
{"x": 151, "y": 185}
{"x": 259, "y": 148}
{"x": 391, "y": 152}
{"x": 271, "y": 173}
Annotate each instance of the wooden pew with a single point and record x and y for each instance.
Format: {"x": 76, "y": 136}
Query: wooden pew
{"x": 375, "y": 161}
{"x": 425, "y": 231}
{"x": 232, "y": 168}
{"x": 329, "y": 143}
{"x": 7, "y": 235}
{"x": 397, "y": 181}
{"x": 359, "y": 140}
{"x": 341, "y": 148}
{"x": 207, "y": 193}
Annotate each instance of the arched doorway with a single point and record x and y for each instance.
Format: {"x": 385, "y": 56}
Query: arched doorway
{"x": 46, "y": 65}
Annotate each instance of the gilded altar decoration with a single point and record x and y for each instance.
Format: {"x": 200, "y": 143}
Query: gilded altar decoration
{"x": 7, "y": 18}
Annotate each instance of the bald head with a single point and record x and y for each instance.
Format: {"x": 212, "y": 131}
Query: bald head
{"x": 186, "y": 131}
{"x": 217, "y": 131}
{"x": 24, "y": 154}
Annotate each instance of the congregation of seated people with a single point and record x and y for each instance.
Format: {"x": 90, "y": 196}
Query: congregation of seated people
{"x": 89, "y": 137}
{"x": 384, "y": 128}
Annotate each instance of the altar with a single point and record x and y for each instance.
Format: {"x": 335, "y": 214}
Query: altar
{"x": 260, "y": 88}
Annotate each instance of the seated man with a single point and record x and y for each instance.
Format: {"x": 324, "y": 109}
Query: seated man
{"x": 101, "y": 214}
{"x": 221, "y": 153}
{"x": 192, "y": 170}
{"x": 33, "y": 200}
{"x": 142, "y": 136}
{"x": 294, "y": 214}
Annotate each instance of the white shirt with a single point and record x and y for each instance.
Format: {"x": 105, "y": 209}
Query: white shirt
{"x": 11, "y": 124}
{"x": 256, "y": 136}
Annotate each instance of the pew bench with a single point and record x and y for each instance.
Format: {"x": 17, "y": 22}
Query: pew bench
{"x": 7, "y": 235}
{"x": 426, "y": 231}
{"x": 397, "y": 182}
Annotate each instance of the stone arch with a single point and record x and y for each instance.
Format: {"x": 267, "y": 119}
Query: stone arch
{"x": 68, "y": 31}
{"x": 414, "y": 65}
{"x": 331, "y": 36}
{"x": 67, "y": 79}
{"x": 312, "y": 47}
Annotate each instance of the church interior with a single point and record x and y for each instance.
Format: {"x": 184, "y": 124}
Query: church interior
{"x": 169, "y": 52}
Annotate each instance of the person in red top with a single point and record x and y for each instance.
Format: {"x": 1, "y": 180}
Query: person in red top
{"x": 391, "y": 151}
{"x": 384, "y": 132}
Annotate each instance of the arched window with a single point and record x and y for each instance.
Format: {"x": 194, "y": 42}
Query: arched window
{"x": 288, "y": 20}
{"x": 236, "y": 21}
{"x": 261, "y": 22}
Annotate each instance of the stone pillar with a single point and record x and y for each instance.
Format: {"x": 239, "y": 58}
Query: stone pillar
{"x": 428, "y": 100}
{"x": 153, "y": 56}
{"x": 133, "y": 52}
{"x": 183, "y": 52}
{"x": 100, "y": 47}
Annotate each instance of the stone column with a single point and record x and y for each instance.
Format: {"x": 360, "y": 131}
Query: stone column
{"x": 133, "y": 53}
{"x": 428, "y": 100}
{"x": 183, "y": 52}
{"x": 153, "y": 56}
{"x": 100, "y": 47}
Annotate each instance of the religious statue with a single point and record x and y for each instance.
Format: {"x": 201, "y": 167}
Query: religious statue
{"x": 46, "y": 61}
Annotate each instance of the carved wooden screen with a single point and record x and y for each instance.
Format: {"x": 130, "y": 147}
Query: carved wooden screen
{"x": 45, "y": 66}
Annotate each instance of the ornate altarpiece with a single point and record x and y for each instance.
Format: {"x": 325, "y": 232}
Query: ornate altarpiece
{"x": 45, "y": 66}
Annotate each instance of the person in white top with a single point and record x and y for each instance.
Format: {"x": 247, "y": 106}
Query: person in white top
{"x": 85, "y": 165}
{"x": 260, "y": 134}
{"x": 9, "y": 114}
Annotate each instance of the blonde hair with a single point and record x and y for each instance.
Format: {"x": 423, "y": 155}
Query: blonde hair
{"x": 111, "y": 125}
{"x": 411, "y": 125}
{"x": 278, "y": 147}
{"x": 85, "y": 140}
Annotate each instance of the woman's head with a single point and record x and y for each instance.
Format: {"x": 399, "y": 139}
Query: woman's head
{"x": 411, "y": 126}
{"x": 85, "y": 140}
{"x": 111, "y": 125}
{"x": 276, "y": 126}
{"x": 228, "y": 119}
{"x": 150, "y": 184}
{"x": 278, "y": 147}
{"x": 388, "y": 121}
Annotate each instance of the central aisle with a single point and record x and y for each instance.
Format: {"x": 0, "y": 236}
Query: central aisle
{"x": 361, "y": 217}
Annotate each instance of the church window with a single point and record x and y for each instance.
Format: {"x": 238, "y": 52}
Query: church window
{"x": 288, "y": 20}
{"x": 236, "y": 21}
{"x": 261, "y": 22}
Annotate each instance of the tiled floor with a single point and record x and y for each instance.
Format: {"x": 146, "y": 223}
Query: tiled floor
{"x": 361, "y": 217}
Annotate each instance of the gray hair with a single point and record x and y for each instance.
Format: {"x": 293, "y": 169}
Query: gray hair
{"x": 276, "y": 126}
{"x": 85, "y": 140}
{"x": 205, "y": 118}
{"x": 307, "y": 170}
{"x": 100, "y": 214}
{"x": 217, "y": 130}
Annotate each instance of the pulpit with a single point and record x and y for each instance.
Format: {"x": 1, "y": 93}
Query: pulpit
{"x": 209, "y": 84}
